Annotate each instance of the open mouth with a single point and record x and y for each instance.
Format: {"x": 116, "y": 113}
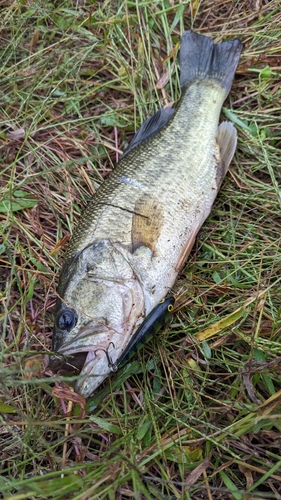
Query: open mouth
{"x": 72, "y": 364}
{"x": 68, "y": 365}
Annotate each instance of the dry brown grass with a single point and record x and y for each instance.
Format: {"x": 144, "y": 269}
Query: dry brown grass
{"x": 198, "y": 416}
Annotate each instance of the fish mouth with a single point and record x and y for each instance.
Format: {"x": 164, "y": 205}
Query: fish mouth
{"x": 75, "y": 363}
{"x": 70, "y": 358}
{"x": 68, "y": 365}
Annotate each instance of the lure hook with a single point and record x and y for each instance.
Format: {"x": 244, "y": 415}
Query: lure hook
{"x": 109, "y": 360}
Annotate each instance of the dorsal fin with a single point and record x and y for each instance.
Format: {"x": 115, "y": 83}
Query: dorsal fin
{"x": 150, "y": 127}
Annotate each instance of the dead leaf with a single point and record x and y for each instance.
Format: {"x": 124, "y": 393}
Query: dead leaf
{"x": 248, "y": 475}
{"x": 60, "y": 244}
{"x": 197, "y": 472}
{"x": 67, "y": 394}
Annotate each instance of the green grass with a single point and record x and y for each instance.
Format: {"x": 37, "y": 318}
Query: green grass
{"x": 196, "y": 413}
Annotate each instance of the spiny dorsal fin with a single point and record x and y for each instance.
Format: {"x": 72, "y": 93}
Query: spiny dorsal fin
{"x": 150, "y": 127}
{"x": 227, "y": 140}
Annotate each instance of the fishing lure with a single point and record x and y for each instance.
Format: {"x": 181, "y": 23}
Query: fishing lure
{"x": 151, "y": 325}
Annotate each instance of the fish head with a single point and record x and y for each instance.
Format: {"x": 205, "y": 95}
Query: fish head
{"x": 100, "y": 304}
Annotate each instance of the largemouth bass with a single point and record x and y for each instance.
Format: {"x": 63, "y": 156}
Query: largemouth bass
{"x": 137, "y": 232}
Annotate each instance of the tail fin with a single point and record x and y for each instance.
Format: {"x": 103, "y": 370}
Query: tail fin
{"x": 201, "y": 59}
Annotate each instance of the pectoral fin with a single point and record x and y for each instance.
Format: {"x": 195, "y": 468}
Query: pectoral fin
{"x": 227, "y": 140}
{"x": 146, "y": 223}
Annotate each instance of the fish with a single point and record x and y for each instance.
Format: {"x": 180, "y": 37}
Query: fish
{"x": 135, "y": 235}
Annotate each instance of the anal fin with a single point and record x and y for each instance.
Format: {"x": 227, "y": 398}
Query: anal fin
{"x": 227, "y": 141}
{"x": 187, "y": 248}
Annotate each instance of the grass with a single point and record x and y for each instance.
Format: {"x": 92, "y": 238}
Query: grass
{"x": 196, "y": 414}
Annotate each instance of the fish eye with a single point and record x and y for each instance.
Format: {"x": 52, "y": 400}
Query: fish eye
{"x": 67, "y": 320}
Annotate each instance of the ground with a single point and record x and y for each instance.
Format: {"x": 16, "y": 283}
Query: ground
{"x": 196, "y": 413}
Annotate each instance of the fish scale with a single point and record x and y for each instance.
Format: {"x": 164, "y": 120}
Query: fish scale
{"x": 138, "y": 230}
{"x": 154, "y": 174}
